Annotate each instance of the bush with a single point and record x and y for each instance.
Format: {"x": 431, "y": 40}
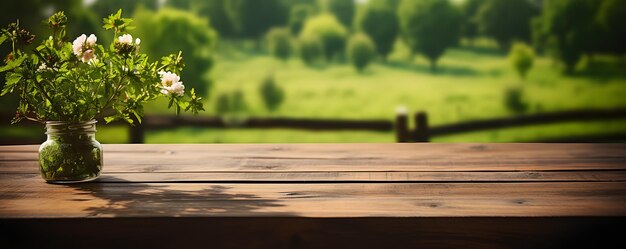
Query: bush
{"x": 514, "y": 99}
{"x": 343, "y": 10}
{"x": 230, "y": 103}
{"x": 429, "y": 27}
{"x": 311, "y": 49}
{"x": 169, "y": 31}
{"x": 271, "y": 93}
{"x": 280, "y": 43}
{"x": 253, "y": 18}
{"x": 361, "y": 51}
{"x": 380, "y": 22}
{"x": 521, "y": 56}
{"x": 298, "y": 15}
{"x": 330, "y": 31}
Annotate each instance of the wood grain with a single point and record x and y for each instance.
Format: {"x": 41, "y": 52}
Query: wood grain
{"x": 341, "y": 157}
{"x": 324, "y": 195}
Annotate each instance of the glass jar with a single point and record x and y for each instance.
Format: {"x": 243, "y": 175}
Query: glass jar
{"x": 71, "y": 153}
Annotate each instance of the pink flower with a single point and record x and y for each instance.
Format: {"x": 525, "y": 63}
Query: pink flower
{"x": 83, "y": 47}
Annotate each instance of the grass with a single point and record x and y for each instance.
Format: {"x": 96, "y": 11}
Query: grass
{"x": 469, "y": 84}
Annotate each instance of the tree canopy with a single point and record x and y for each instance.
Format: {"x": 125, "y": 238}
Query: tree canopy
{"x": 380, "y": 22}
{"x": 330, "y": 31}
{"x": 169, "y": 31}
{"x": 506, "y": 20}
{"x": 429, "y": 27}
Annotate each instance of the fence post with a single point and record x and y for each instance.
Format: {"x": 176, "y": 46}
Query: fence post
{"x": 421, "y": 127}
{"x": 136, "y": 133}
{"x": 402, "y": 126}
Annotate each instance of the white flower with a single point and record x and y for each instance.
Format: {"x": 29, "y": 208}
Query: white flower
{"x": 77, "y": 45}
{"x": 169, "y": 78}
{"x": 137, "y": 41}
{"x": 42, "y": 67}
{"x": 91, "y": 40}
{"x": 171, "y": 84}
{"x": 177, "y": 89}
{"x": 82, "y": 47}
{"x": 125, "y": 39}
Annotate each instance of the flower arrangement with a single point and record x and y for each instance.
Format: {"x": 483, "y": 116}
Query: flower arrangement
{"x": 82, "y": 80}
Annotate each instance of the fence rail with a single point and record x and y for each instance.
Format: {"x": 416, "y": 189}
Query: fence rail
{"x": 422, "y": 132}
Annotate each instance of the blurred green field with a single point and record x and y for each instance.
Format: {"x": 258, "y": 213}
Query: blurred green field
{"x": 469, "y": 85}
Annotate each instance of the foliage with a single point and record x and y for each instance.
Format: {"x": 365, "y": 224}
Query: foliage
{"x": 231, "y": 102}
{"x": 271, "y": 93}
{"x": 170, "y": 30}
{"x": 380, "y": 22}
{"x": 215, "y": 10}
{"x": 506, "y": 20}
{"x": 429, "y": 27}
{"x": 330, "y": 31}
{"x": 361, "y": 51}
{"x": 470, "y": 9}
{"x": 611, "y": 18}
{"x": 343, "y": 9}
{"x": 311, "y": 49}
{"x": 569, "y": 28}
{"x": 79, "y": 81}
{"x": 280, "y": 43}
{"x": 514, "y": 99}
{"x": 522, "y": 57}
{"x": 252, "y": 18}
{"x": 298, "y": 15}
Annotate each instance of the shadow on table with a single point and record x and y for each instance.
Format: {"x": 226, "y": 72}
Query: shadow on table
{"x": 167, "y": 200}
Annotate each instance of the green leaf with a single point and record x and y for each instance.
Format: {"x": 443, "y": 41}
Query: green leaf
{"x": 110, "y": 119}
{"x": 11, "y": 80}
{"x": 3, "y": 38}
{"x": 13, "y": 64}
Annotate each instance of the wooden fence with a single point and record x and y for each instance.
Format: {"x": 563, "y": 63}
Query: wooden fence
{"x": 421, "y": 133}
{"x": 424, "y": 133}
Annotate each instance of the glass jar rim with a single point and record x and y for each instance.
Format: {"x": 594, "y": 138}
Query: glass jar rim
{"x": 63, "y": 127}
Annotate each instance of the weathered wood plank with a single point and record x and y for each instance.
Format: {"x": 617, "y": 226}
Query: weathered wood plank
{"x": 348, "y": 157}
{"x": 32, "y": 198}
{"x": 345, "y": 176}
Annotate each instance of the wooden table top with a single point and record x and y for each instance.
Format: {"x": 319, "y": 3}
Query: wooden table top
{"x": 323, "y": 196}
{"x": 327, "y": 180}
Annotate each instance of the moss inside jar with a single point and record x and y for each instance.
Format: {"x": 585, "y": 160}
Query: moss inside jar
{"x": 71, "y": 153}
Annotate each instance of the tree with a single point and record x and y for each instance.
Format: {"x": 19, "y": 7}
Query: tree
{"x": 470, "y": 9}
{"x": 169, "y": 31}
{"x": 361, "y": 51}
{"x": 280, "y": 43}
{"x": 213, "y": 9}
{"x": 104, "y": 8}
{"x": 298, "y": 15}
{"x": 568, "y": 26}
{"x": 429, "y": 27}
{"x": 611, "y": 18}
{"x": 343, "y": 9}
{"x": 380, "y": 22}
{"x": 252, "y": 18}
{"x": 506, "y": 20}
{"x": 330, "y": 32}
{"x": 271, "y": 93}
{"x": 522, "y": 57}
{"x": 311, "y": 49}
